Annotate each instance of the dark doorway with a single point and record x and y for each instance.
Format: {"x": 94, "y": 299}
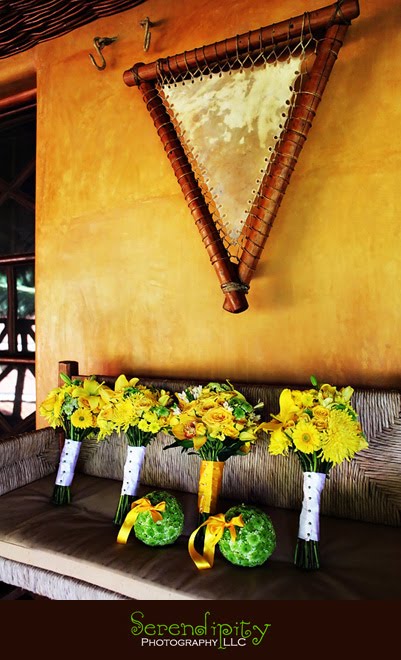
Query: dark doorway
{"x": 17, "y": 268}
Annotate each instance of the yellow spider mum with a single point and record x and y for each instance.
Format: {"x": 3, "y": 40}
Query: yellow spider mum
{"x": 343, "y": 439}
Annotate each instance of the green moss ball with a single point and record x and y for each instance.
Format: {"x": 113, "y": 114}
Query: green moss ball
{"x": 164, "y": 531}
{"x": 254, "y": 543}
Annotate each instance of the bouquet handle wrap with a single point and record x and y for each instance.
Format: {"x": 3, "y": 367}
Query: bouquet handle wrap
{"x": 309, "y": 520}
{"x": 68, "y": 461}
{"x": 132, "y": 471}
{"x": 307, "y": 548}
{"x": 209, "y": 486}
{"x": 66, "y": 470}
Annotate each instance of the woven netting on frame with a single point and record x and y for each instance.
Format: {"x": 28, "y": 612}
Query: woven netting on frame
{"x": 230, "y": 116}
{"x": 24, "y": 23}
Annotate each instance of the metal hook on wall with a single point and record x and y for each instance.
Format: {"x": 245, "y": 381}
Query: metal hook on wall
{"x": 100, "y": 43}
{"x": 147, "y": 24}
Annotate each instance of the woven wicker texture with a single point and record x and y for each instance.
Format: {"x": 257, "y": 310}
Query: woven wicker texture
{"x": 49, "y": 584}
{"x": 368, "y": 488}
{"x": 27, "y": 457}
{"x": 25, "y": 23}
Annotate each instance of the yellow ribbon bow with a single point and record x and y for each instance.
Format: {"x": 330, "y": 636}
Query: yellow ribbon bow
{"x": 215, "y": 526}
{"x": 137, "y": 507}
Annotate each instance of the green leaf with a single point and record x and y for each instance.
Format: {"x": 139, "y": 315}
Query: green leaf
{"x": 184, "y": 444}
{"x": 216, "y": 387}
{"x": 160, "y": 411}
{"x": 130, "y": 390}
{"x": 66, "y": 379}
{"x": 314, "y": 382}
{"x": 189, "y": 394}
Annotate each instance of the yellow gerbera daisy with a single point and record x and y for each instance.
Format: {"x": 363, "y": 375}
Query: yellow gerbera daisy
{"x": 306, "y": 437}
{"x": 82, "y": 418}
{"x": 343, "y": 439}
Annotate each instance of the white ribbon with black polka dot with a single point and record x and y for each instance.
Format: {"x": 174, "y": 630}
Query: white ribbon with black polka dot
{"x": 68, "y": 461}
{"x": 132, "y": 469}
{"x": 309, "y": 519}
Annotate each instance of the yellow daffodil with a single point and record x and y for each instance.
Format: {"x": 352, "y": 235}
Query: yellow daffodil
{"x": 279, "y": 443}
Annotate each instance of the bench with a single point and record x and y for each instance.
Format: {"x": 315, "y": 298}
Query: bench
{"x": 71, "y": 553}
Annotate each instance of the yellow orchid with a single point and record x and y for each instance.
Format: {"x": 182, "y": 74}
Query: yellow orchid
{"x": 287, "y": 415}
{"x": 199, "y": 441}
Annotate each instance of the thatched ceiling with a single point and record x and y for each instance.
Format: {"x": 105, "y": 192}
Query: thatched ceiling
{"x": 25, "y": 23}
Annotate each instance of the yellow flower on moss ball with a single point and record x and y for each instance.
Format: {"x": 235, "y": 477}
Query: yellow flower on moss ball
{"x": 343, "y": 439}
{"x": 82, "y": 418}
{"x": 306, "y": 437}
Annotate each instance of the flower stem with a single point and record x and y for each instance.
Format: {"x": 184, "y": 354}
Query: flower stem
{"x": 124, "y": 506}
{"x": 199, "y": 540}
{"x": 61, "y": 495}
{"x": 307, "y": 555}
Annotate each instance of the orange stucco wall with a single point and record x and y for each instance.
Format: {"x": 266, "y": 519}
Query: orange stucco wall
{"x": 123, "y": 281}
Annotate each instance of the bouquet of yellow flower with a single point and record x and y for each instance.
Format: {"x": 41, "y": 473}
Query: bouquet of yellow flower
{"x": 74, "y": 407}
{"x": 215, "y": 421}
{"x": 321, "y": 427}
{"x": 140, "y": 412}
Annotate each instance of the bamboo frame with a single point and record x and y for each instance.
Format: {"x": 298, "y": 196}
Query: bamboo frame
{"x": 329, "y": 25}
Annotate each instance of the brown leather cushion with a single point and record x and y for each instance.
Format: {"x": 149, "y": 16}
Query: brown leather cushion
{"x": 359, "y": 560}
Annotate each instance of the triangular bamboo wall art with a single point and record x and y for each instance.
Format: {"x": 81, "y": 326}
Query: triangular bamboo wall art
{"x": 326, "y": 28}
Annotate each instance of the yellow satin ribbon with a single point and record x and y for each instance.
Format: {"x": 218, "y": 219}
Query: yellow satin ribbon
{"x": 137, "y": 507}
{"x": 215, "y": 526}
{"x": 209, "y": 486}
